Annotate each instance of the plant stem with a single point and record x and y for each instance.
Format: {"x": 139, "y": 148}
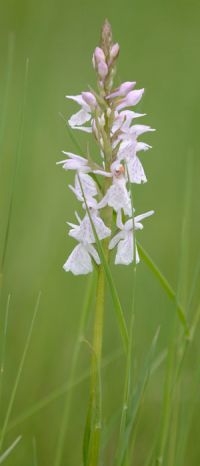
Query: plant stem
{"x": 96, "y": 389}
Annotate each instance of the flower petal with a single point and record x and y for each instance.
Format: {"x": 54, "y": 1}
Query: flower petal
{"x": 118, "y": 198}
{"x": 79, "y": 118}
{"x": 119, "y": 236}
{"x": 93, "y": 253}
{"x": 140, "y": 217}
{"x": 132, "y": 98}
{"x": 135, "y": 170}
{"x": 79, "y": 99}
{"x": 79, "y": 262}
{"x": 125, "y": 250}
{"x": 88, "y": 185}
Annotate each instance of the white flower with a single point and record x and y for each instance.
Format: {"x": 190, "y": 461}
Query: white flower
{"x": 122, "y": 90}
{"x": 80, "y": 260}
{"x": 131, "y": 133}
{"x": 74, "y": 162}
{"x": 87, "y": 102}
{"x": 84, "y": 183}
{"x": 125, "y": 238}
{"x": 84, "y": 231}
{"x": 124, "y": 119}
{"x": 132, "y": 98}
{"x": 127, "y": 153}
{"x": 117, "y": 195}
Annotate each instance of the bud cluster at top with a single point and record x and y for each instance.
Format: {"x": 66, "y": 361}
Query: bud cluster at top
{"x": 103, "y": 187}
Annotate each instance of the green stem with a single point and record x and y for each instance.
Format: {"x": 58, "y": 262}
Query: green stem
{"x": 167, "y": 398}
{"x": 95, "y": 408}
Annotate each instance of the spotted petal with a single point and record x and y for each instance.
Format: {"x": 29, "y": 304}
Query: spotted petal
{"x": 79, "y": 262}
{"x": 79, "y": 118}
{"x": 135, "y": 170}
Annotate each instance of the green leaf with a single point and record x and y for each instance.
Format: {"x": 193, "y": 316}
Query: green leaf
{"x": 136, "y": 401}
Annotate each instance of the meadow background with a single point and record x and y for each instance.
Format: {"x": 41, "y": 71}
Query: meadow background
{"x": 160, "y": 49}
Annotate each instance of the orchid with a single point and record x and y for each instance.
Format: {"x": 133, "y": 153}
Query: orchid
{"x": 126, "y": 247}
{"x": 105, "y": 186}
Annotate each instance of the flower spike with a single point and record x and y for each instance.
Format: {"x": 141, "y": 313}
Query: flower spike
{"x": 103, "y": 187}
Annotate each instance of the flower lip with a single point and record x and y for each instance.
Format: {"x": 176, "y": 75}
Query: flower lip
{"x": 117, "y": 169}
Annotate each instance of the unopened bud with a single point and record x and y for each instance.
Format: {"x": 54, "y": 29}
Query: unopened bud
{"x": 102, "y": 70}
{"x": 99, "y": 63}
{"x": 89, "y": 98}
{"x": 99, "y": 55}
{"x": 114, "y": 52}
{"x": 106, "y": 38}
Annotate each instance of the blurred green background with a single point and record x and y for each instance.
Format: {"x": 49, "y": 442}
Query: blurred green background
{"x": 160, "y": 45}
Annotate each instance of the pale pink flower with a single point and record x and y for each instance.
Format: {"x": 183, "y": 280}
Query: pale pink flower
{"x": 127, "y": 153}
{"x": 117, "y": 195}
{"x": 74, "y": 162}
{"x": 124, "y": 239}
{"x": 122, "y": 90}
{"x": 132, "y": 132}
{"x": 131, "y": 99}
{"x": 80, "y": 260}
{"x": 88, "y": 103}
{"x": 124, "y": 119}
{"x": 84, "y": 183}
{"x": 85, "y": 230}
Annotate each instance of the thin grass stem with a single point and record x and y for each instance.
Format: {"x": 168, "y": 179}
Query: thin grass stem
{"x": 9, "y": 450}
{"x": 3, "y": 348}
{"x": 8, "y": 76}
{"x": 34, "y": 448}
{"x": 19, "y": 372}
{"x": 13, "y": 185}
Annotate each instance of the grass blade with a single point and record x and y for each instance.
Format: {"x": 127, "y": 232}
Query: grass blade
{"x": 71, "y": 135}
{"x": 21, "y": 365}
{"x": 18, "y": 152}
{"x": 35, "y": 456}
{"x": 3, "y": 348}
{"x": 8, "y": 75}
{"x": 9, "y": 449}
{"x": 136, "y": 401}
